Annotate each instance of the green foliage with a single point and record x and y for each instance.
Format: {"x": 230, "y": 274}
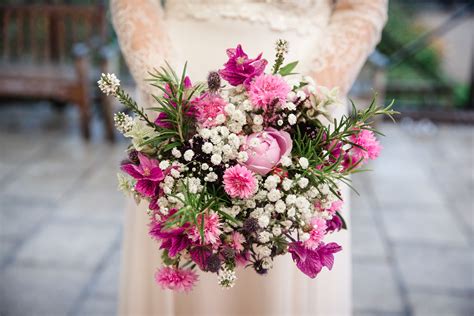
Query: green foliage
{"x": 195, "y": 206}
{"x": 287, "y": 69}
{"x": 318, "y": 149}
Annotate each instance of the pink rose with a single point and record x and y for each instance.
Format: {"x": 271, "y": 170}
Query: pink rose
{"x": 265, "y": 149}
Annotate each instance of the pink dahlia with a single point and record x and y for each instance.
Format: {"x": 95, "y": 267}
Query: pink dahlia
{"x": 207, "y": 108}
{"x": 173, "y": 239}
{"x": 265, "y": 89}
{"x": 316, "y": 234}
{"x": 181, "y": 280}
{"x": 147, "y": 173}
{"x": 212, "y": 229}
{"x": 239, "y": 182}
{"x": 370, "y": 146}
{"x": 240, "y": 69}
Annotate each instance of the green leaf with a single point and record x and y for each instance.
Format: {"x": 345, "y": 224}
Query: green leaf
{"x": 344, "y": 224}
{"x": 288, "y": 68}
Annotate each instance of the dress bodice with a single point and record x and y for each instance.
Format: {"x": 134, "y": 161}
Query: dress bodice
{"x": 330, "y": 38}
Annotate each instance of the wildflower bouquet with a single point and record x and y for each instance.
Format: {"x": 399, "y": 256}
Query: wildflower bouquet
{"x": 242, "y": 168}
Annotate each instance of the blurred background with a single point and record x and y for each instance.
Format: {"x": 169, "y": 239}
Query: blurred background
{"x": 61, "y": 214}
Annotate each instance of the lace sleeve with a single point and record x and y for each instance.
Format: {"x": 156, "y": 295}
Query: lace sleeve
{"x": 142, "y": 36}
{"x": 352, "y": 34}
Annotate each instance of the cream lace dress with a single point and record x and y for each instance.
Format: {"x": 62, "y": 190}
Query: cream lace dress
{"x": 332, "y": 40}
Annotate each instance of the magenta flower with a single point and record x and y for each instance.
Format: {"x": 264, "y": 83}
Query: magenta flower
{"x": 311, "y": 262}
{"x": 239, "y": 69}
{"x": 207, "y": 108}
{"x": 239, "y": 182}
{"x": 212, "y": 229}
{"x": 174, "y": 240}
{"x": 180, "y": 280}
{"x": 316, "y": 234}
{"x": 370, "y": 146}
{"x": 265, "y": 89}
{"x": 334, "y": 224}
{"x": 148, "y": 174}
{"x": 200, "y": 255}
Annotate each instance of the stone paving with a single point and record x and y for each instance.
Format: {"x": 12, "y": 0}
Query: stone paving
{"x": 60, "y": 220}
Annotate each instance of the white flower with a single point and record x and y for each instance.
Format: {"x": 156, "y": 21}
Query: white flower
{"x": 227, "y": 149}
{"x": 254, "y": 142}
{"x": 274, "y": 195}
{"x": 285, "y": 161}
{"x": 258, "y": 120}
{"x": 291, "y": 212}
{"x": 224, "y": 131}
{"x": 301, "y": 94}
{"x": 229, "y": 108}
{"x": 216, "y": 159}
{"x": 280, "y": 206}
{"x": 303, "y": 182}
{"x": 287, "y": 184}
{"x": 290, "y": 199}
{"x": 242, "y": 156}
{"x": 264, "y": 237}
{"x": 267, "y": 263}
{"x": 271, "y": 182}
{"x": 263, "y": 220}
{"x": 302, "y": 203}
{"x": 235, "y": 210}
{"x": 269, "y": 208}
{"x": 207, "y": 147}
{"x": 304, "y": 237}
{"x": 304, "y": 163}
{"x": 205, "y": 133}
{"x": 216, "y": 139}
{"x": 176, "y": 153}
{"x": 175, "y": 173}
{"x": 123, "y": 122}
{"x": 324, "y": 188}
{"x": 226, "y": 277}
{"x": 280, "y": 122}
{"x": 290, "y": 106}
{"x": 250, "y": 204}
{"x": 263, "y": 251}
{"x": 292, "y": 119}
{"x": 204, "y": 166}
{"x": 220, "y": 119}
{"x": 108, "y": 84}
{"x": 211, "y": 177}
{"x": 276, "y": 230}
{"x": 234, "y": 140}
{"x": 188, "y": 155}
{"x": 164, "y": 164}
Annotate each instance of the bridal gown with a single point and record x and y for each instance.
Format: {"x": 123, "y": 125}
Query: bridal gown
{"x": 332, "y": 40}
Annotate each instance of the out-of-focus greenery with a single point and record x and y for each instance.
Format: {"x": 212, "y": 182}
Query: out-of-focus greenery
{"x": 401, "y": 29}
{"x": 421, "y": 68}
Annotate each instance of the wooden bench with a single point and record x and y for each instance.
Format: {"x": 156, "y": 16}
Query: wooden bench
{"x": 45, "y": 54}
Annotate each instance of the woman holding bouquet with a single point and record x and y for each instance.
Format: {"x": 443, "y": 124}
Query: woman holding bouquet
{"x": 331, "y": 40}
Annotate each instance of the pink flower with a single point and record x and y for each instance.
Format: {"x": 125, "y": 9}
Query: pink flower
{"x": 334, "y": 224}
{"x": 265, "y": 89}
{"x": 180, "y": 280}
{"x": 265, "y": 149}
{"x": 239, "y": 182}
{"x": 370, "y": 146}
{"x": 335, "y": 206}
{"x": 211, "y": 229}
{"x": 237, "y": 240}
{"x": 208, "y": 107}
{"x": 316, "y": 234}
{"x": 310, "y": 261}
{"x": 148, "y": 174}
{"x": 240, "y": 69}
